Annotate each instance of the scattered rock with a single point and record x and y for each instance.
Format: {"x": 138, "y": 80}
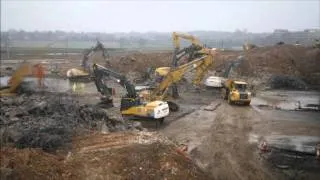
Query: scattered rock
{"x": 48, "y": 121}
{"x": 213, "y": 106}
{"x": 5, "y": 173}
{"x": 287, "y": 82}
{"x": 104, "y": 129}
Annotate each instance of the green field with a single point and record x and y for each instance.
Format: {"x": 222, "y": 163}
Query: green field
{"x": 70, "y": 45}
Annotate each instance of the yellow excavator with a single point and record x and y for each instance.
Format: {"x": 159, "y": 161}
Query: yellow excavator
{"x": 132, "y": 106}
{"x": 26, "y": 69}
{"x": 196, "y": 50}
{"x": 160, "y": 91}
{"x": 199, "y": 59}
{"x": 196, "y": 57}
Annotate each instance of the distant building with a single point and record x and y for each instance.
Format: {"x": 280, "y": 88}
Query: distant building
{"x": 312, "y": 30}
{"x": 280, "y": 31}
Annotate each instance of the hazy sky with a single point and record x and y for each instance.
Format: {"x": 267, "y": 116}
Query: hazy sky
{"x": 125, "y": 16}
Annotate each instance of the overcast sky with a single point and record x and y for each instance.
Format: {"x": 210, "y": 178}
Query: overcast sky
{"x": 142, "y": 16}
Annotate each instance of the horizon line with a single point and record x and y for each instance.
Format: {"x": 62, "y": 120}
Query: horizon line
{"x": 154, "y": 31}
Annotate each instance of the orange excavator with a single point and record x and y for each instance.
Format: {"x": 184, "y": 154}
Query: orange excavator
{"x": 16, "y": 79}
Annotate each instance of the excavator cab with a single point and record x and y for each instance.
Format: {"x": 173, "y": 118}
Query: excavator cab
{"x": 160, "y": 73}
{"x": 127, "y": 103}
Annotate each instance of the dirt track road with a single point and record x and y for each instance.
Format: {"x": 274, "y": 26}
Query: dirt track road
{"x": 218, "y": 141}
{"x": 224, "y": 142}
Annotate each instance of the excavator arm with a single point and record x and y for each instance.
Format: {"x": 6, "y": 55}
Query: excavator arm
{"x": 26, "y": 69}
{"x": 196, "y": 50}
{"x": 176, "y": 39}
{"x": 100, "y": 72}
{"x": 204, "y": 67}
{"x": 98, "y": 47}
{"x": 175, "y": 75}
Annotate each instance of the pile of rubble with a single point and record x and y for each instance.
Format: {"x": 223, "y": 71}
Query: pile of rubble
{"x": 287, "y": 82}
{"x": 139, "y": 62}
{"x": 119, "y": 155}
{"x": 49, "y": 121}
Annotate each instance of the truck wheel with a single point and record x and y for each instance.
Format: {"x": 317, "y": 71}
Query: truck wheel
{"x": 227, "y": 94}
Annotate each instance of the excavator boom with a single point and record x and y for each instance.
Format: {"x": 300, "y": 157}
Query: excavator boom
{"x": 176, "y": 39}
{"x": 198, "y": 57}
{"x": 16, "y": 79}
{"x": 85, "y": 71}
{"x": 175, "y": 75}
{"x": 100, "y": 72}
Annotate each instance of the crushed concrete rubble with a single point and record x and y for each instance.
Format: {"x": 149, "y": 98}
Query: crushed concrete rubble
{"x": 49, "y": 121}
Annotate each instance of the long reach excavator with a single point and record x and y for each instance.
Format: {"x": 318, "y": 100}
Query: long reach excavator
{"x": 198, "y": 58}
{"x": 132, "y": 105}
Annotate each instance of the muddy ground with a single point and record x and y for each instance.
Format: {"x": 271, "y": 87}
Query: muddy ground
{"x": 223, "y": 141}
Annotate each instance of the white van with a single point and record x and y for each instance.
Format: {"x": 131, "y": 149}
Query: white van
{"x": 214, "y": 82}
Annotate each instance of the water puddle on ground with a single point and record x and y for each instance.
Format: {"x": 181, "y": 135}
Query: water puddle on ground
{"x": 56, "y": 85}
{"x": 302, "y": 144}
{"x": 287, "y": 100}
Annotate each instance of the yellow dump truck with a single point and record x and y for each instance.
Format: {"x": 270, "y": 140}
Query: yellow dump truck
{"x": 236, "y": 92}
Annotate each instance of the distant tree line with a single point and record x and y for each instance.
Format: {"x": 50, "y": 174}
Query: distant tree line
{"x": 210, "y": 38}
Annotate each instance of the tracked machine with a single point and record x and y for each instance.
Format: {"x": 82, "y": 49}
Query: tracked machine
{"x": 84, "y": 73}
{"x": 194, "y": 57}
{"x": 15, "y": 81}
{"x": 132, "y": 105}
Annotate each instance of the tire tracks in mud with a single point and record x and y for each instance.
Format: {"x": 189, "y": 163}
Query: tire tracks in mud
{"x": 218, "y": 141}
{"x": 226, "y": 152}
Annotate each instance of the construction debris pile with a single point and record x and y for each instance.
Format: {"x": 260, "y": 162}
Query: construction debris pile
{"x": 49, "y": 121}
{"x": 47, "y": 134}
{"x": 134, "y": 155}
{"x": 287, "y": 82}
{"x": 280, "y": 66}
{"x": 296, "y": 66}
{"x": 139, "y": 62}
